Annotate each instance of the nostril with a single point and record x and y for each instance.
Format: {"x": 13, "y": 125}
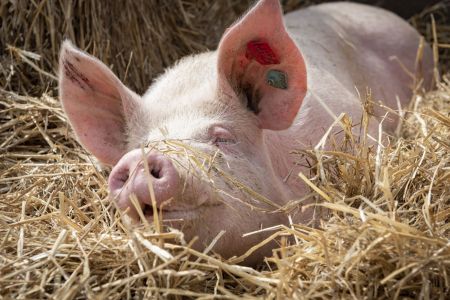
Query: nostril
{"x": 123, "y": 177}
{"x": 156, "y": 172}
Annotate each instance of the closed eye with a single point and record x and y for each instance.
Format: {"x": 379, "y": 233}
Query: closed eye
{"x": 222, "y": 137}
{"x": 224, "y": 141}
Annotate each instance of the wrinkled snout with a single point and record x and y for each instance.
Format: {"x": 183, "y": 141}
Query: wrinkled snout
{"x": 129, "y": 177}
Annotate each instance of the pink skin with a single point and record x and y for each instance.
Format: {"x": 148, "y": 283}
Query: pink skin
{"x": 243, "y": 129}
{"x": 129, "y": 177}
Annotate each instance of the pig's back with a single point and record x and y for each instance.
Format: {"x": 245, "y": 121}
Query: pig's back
{"x": 353, "y": 46}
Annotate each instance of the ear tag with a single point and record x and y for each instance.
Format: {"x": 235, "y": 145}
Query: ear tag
{"x": 262, "y": 53}
{"x": 277, "y": 79}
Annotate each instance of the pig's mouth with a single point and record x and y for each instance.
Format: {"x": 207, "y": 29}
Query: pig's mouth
{"x": 171, "y": 215}
{"x": 174, "y": 214}
{"x": 148, "y": 211}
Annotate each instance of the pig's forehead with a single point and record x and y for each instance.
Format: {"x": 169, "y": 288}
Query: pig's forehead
{"x": 176, "y": 122}
{"x": 182, "y": 125}
{"x": 183, "y": 101}
{"x": 190, "y": 76}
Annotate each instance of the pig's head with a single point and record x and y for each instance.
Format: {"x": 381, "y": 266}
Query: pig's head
{"x": 202, "y": 126}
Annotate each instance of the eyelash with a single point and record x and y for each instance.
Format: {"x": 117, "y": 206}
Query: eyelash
{"x": 220, "y": 141}
{"x": 224, "y": 140}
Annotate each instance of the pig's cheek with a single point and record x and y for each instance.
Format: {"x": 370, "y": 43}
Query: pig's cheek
{"x": 203, "y": 198}
{"x": 195, "y": 193}
{"x": 189, "y": 227}
{"x": 206, "y": 194}
{"x": 229, "y": 150}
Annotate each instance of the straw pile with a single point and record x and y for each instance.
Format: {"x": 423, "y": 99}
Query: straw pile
{"x": 137, "y": 39}
{"x": 387, "y": 231}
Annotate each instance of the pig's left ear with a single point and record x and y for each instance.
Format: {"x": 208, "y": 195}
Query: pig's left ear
{"x": 259, "y": 60}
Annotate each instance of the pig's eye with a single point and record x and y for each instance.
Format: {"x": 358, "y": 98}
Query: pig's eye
{"x": 221, "y": 136}
{"x": 220, "y": 140}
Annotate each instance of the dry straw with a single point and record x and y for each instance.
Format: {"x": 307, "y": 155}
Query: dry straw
{"x": 387, "y": 230}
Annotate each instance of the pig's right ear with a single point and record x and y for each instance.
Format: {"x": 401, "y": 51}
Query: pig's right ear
{"x": 96, "y": 102}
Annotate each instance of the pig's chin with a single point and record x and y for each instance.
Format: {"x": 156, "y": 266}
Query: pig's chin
{"x": 209, "y": 219}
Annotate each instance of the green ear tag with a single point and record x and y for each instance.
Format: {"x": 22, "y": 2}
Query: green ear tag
{"x": 277, "y": 79}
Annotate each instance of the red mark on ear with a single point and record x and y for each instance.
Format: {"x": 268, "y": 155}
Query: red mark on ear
{"x": 262, "y": 53}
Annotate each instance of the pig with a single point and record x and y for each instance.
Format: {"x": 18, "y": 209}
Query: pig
{"x": 404, "y": 8}
{"x": 208, "y": 146}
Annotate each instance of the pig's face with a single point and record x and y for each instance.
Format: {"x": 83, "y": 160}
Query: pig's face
{"x": 197, "y": 135}
{"x": 193, "y": 118}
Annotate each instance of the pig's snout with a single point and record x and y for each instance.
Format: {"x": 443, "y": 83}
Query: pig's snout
{"x": 129, "y": 177}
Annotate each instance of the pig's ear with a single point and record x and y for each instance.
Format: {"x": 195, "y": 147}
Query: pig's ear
{"x": 96, "y": 102}
{"x": 258, "y": 60}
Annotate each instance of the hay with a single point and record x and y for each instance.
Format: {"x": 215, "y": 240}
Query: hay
{"x": 132, "y": 37}
{"x": 137, "y": 39}
{"x": 387, "y": 235}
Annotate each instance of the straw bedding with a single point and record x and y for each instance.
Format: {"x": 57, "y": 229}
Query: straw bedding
{"x": 387, "y": 231}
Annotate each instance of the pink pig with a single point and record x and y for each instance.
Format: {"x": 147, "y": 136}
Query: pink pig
{"x": 273, "y": 85}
